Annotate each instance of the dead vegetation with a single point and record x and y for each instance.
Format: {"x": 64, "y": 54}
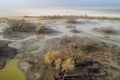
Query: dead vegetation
{"x": 107, "y": 30}
{"x": 21, "y": 29}
{"x": 73, "y": 28}
{"x": 22, "y": 26}
{"x": 72, "y": 16}
{"x": 59, "y": 61}
{"x": 83, "y": 45}
{"x": 72, "y": 21}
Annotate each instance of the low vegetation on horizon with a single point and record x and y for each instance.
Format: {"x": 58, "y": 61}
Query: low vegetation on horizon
{"x": 72, "y": 17}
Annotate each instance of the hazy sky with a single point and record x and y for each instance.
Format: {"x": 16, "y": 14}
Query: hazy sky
{"x": 59, "y": 3}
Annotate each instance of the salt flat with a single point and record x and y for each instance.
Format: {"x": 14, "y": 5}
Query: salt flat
{"x": 59, "y": 11}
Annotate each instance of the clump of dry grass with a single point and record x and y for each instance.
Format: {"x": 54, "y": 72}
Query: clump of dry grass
{"x": 107, "y": 37}
{"x": 71, "y": 26}
{"x": 71, "y": 16}
{"x": 40, "y": 36}
{"x": 84, "y": 45}
{"x": 107, "y": 30}
{"x": 72, "y": 21}
{"x": 89, "y": 46}
{"x": 22, "y": 26}
{"x": 20, "y": 29}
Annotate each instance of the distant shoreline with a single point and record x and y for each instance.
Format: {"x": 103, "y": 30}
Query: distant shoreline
{"x": 72, "y": 17}
{"x": 61, "y": 17}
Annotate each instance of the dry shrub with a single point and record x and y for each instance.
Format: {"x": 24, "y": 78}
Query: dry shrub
{"x": 50, "y": 57}
{"x": 89, "y": 46}
{"x": 39, "y": 27}
{"x": 106, "y": 30}
{"x": 22, "y": 26}
{"x": 58, "y": 63}
{"x": 68, "y": 64}
{"x": 72, "y": 21}
{"x": 57, "y": 60}
{"x": 72, "y": 26}
{"x": 40, "y": 36}
{"x": 106, "y": 37}
{"x": 76, "y": 46}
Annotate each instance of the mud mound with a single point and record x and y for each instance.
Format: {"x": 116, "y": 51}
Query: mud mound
{"x": 90, "y": 49}
{"x": 20, "y": 29}
{"x": 93, "y": 59}
{"x": 107, "y": 30}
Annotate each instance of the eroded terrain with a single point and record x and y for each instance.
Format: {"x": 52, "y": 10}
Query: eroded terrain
{"x": 88, "y": 42}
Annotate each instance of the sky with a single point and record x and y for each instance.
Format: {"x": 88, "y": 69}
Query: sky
{"x": 58, "y": 3}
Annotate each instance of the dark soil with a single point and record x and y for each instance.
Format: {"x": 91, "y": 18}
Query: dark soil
{"x": 6, "y": 53}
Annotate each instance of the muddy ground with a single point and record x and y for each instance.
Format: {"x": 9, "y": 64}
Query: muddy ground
{"x": 33, "y": 46}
